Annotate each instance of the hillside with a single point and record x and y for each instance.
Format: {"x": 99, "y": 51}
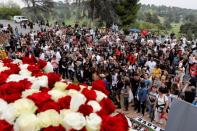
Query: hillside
{"x": 171, "y": 18}
{"x": 149, "y": 16}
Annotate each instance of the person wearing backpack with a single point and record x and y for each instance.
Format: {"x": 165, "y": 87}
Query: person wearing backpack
{"x": 161, "y": 105}
{"x": 142, "y": 94}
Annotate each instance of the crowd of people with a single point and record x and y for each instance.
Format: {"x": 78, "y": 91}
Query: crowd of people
{"x": 146, "y": 70}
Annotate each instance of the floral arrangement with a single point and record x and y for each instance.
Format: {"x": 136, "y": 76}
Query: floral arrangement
{"x": 3, "y": 54}
{"x": 33, "y": 98}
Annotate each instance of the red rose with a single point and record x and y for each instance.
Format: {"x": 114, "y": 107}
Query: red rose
{"x": 10, "y": 98}
{"x": 84, "y": 84}
{"x": 14, "y": 69}
{"x": 25, "y": 84}
{"x": 18, "y": 87}
{"x": 85, "y": 109}
{"x": 5, "y": 126}
{"x": 44, "y": 89}
{"x": 89, "y": 94}
{"x": 107, "y": 106}
{"x": 41, "y": 63}
{"x": 64, "y": 102}
{"x": 48, "y": 105}
{"x": 54, "y": 128}
{"x": 29, "y": 60}
{"x": 40, "y": 98}
{"x": 11, "y": 91}
{"x": 73, "y": 86}
{"x": 6, "y": 60}
{"x": 115, "y": 123}
{"x": 100, "y": 86}
{"x": 34, "y": 69}
{"x": 3, "y": 78}
{"x": 52, "y": 78}
{"x": 40, "y": 74}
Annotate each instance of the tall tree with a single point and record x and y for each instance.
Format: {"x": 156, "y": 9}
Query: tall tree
{"x": 39, "y": 5}
{"x": 127, "y": 11}
{"x": 103, "y": 10}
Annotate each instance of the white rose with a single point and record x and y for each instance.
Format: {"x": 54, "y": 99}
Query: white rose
{"x": 3, "y": 106}
{"x": 41, "y": 81}
{"x": 73, "y": 120}
{"x": 56, "y": 94}
{"x": 93, "y": 122}
{"x": 26, "y": 122}
{"x": 76, "y": 101}
{"x": 89, "y": 87}
{"x": 64, "y": 112}
{"x": 3, "y": 111}
{"x": 8, "y": 114}
{"x": 4, "y": 68}
{"x": 1, "y": 64}
{"x": 100, "y": 95}
{"x": 60, "y": 86}
{"x": 15, "y": 78}
{"x": 23, "y": 66}
{"x": 24, "y": 106}
{"x": 49, "y": 118}
{"x": 48, "y": 68}
{"x": 29, "y": 92}
{"x": 95, "y": 105}
{"x": 17, "y": 61}
{"x": 25, "y": 72}
{"x": 82, "y": 87}
{"x": 72, "y": 92}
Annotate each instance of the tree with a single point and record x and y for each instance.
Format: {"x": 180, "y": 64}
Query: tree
{"x": 127, "y": 11}
{"x": 189, "y": 29}
{"x": 103, "y": 10}
{"x": 8, "y": 11}
{"x": 152, "y": 18}
{"x": 39, "y": 5}
{"x": 167, "y": 24}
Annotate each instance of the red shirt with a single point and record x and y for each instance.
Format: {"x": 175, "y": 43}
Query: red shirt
{"x": 193, "y": 70}
{"x": 131, "y": 59}
{"x": 118, "y": 52}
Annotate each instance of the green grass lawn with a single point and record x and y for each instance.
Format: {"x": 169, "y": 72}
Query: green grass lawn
{"x": 161, "y": 19}
{"x": 73, "y": 21}
{"x": 175, "y": 27}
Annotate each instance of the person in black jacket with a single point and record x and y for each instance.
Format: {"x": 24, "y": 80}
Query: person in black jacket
{"x": 118, "y": 89}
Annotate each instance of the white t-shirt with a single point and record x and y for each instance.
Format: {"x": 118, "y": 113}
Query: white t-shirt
{"x": 42, "y": 56}
{"x": 114, "y": 79}
{"x": 151, "y": 65}
{"x": 161, "y": 101}
{"x": 58, "y": 56}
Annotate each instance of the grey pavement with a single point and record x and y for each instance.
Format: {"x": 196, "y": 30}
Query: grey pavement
{"x": 14, "y": 25}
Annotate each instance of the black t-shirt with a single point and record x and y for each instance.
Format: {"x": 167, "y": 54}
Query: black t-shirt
{"x": 119, "y": 85}
{"x": 193, "y": 81}
{"x": 189, "y": 96}
{"x": 37, "y": 52}
{"x": 134, "y": 84}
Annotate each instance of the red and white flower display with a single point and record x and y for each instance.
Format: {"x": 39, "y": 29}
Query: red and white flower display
{"x": 33, "y": 98}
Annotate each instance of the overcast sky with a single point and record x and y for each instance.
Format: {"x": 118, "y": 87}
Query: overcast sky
{"x": 190, "y": 4}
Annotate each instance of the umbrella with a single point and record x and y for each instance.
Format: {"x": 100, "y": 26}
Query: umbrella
{"x": 134, "y": 30}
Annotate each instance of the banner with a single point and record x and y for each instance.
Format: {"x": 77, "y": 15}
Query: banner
{"x": 182, "y": 117}
{"x": 148, "y": 124}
